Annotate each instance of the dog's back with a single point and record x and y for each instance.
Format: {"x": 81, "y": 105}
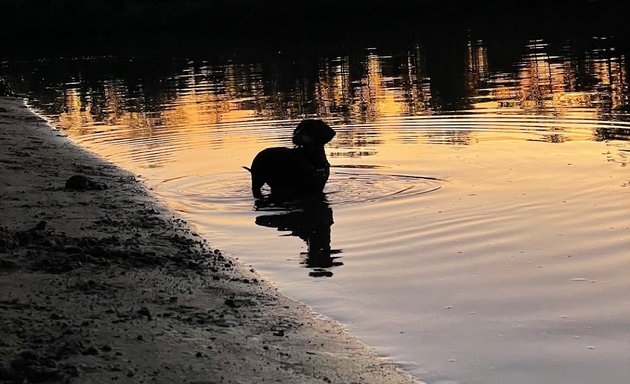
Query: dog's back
{"x": 278, "y": 167}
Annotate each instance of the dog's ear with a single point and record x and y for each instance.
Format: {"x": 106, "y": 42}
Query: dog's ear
{"x": 312, "y": 132}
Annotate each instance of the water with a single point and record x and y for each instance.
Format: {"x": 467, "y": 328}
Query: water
{"x": 477, "y": 211}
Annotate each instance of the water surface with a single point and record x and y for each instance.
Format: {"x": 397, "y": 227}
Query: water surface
{"x": 475, "y": 226}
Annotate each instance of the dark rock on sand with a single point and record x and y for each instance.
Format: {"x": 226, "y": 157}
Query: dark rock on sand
{"x": 83, "y": 183}
{"x": 144, "y": 311}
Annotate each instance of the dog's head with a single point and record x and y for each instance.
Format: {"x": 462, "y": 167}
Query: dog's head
{"x": 312, "y": 132}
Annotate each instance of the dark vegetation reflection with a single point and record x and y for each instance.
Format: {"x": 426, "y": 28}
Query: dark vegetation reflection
{"x": 555, "y": 79}
{"x": 310, "y": 219}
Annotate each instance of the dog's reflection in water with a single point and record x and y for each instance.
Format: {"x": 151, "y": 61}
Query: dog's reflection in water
{"x": 309, "y": 219}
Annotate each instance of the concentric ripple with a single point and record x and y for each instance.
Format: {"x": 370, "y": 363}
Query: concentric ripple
{"x": 230, "y": 191}
{"x": 354, "y": 187}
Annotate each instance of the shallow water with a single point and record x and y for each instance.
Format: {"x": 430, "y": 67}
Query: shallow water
{"x": 475, "y": 226}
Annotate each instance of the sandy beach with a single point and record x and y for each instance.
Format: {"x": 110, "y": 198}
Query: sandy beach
{"x": 101, "y": 283}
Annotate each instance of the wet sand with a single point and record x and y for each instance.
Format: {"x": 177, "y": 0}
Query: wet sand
{"x": 107, "y": 285}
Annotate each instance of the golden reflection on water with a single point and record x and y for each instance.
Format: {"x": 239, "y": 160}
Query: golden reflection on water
{"x": 551, "y": 85}
{"x": 412, "y": 96}
{"x": 541, "y": 84}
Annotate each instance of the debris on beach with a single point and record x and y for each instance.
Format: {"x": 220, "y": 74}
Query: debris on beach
{"x": 83, "y": 183}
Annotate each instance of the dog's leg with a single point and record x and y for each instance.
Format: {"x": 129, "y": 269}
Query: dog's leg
{"x": 257, "y": 183}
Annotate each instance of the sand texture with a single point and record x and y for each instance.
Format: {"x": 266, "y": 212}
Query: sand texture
{"x": 100, "y": 283}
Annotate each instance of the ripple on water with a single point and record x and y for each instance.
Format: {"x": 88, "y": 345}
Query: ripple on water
{"x": 228, "y": 191}
{"x": 231, "y": 191}
{"x": 355, "y": 186}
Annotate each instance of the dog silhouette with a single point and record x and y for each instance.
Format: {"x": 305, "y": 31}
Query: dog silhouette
{"x": 298, "y": 171}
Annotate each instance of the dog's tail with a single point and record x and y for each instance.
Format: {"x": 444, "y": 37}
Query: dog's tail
{"x": 247, "y": 169}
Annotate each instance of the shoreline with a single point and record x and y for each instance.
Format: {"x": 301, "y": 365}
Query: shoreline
{"x": 108, "y": 284}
